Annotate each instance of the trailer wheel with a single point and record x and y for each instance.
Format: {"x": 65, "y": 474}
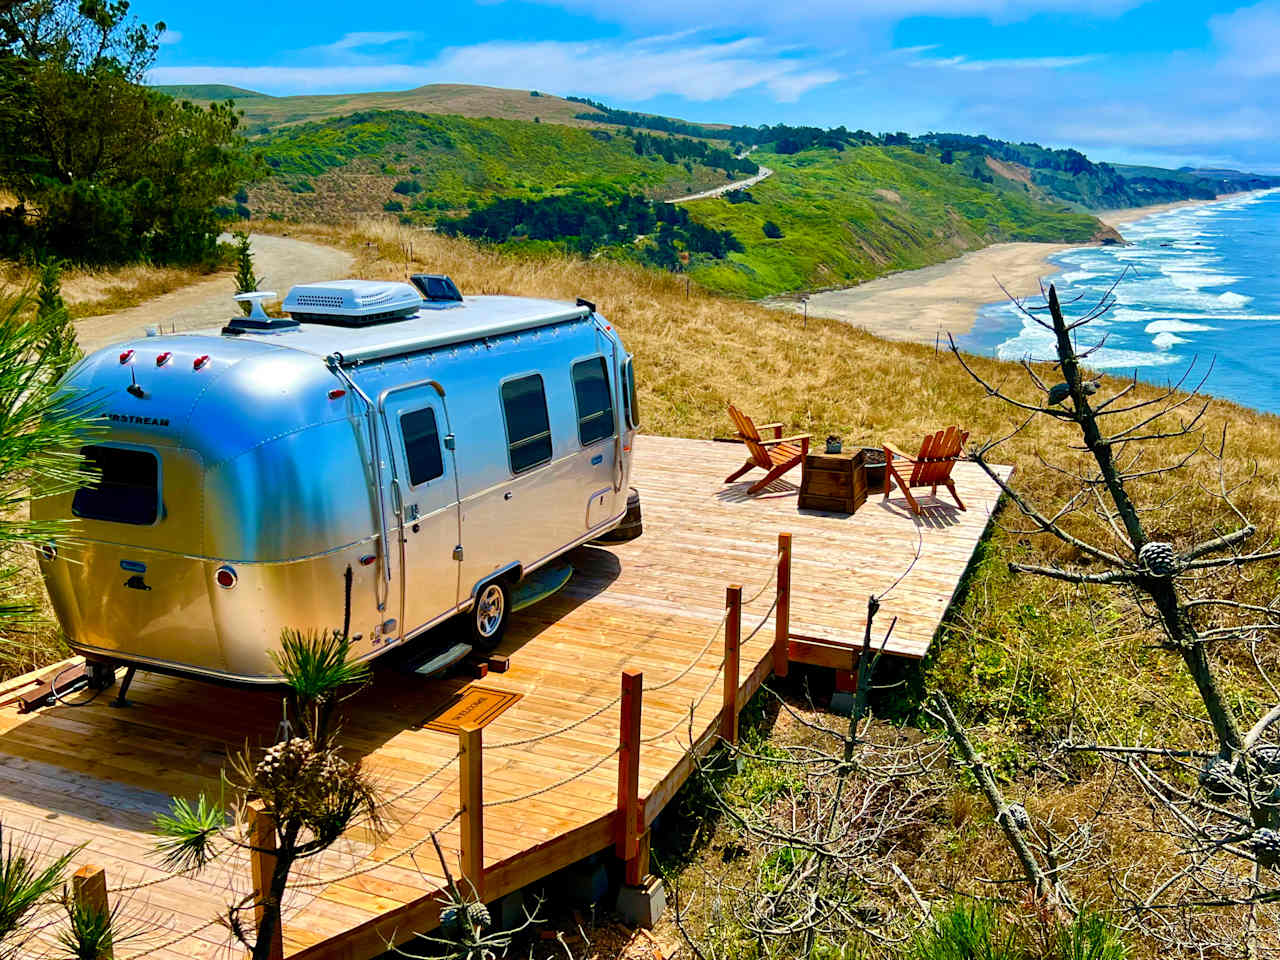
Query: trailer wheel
{"x": 490, "y": 613}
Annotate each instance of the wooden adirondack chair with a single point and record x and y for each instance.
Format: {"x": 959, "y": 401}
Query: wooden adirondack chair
{"x": 775, "y": 455}
{"x": 931, "y": 467}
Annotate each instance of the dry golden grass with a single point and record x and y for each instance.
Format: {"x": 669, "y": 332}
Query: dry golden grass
{"x": 93, "y": 291}
{"x": 1024, "y": 661}
{"x": 1022, "y": 658}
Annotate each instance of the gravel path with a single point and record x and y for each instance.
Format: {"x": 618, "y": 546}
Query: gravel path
{"x": 727, "y": 188}
{"x": 281, "y": 261}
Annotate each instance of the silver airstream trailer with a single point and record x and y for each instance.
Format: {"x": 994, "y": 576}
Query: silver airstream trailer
{"x": 441, "y": 447}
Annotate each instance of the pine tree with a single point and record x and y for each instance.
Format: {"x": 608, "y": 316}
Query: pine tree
{"x": 246, "y": 280}
{"x": 59, "y": 345}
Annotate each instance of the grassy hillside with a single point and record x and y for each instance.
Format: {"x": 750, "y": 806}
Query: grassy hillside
{"x": 263, "y": 113}
{"x": 333, "y": 169}
{"x": 1026, "y": 662}
{"x": 856, "y": 214}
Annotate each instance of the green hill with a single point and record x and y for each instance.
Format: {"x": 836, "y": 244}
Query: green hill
{"x": 263, "y": 113}
{"x": 419, "y": 164}
{"x": 210, "y": 91}
{"x": 848, "y": 216}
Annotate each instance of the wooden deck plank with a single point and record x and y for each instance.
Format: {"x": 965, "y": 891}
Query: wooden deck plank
{"x": 98, "y": 775}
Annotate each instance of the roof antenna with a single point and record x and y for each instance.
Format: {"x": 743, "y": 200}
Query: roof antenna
{"x": 133, "y": 387}
{"x": 256, "y": 297}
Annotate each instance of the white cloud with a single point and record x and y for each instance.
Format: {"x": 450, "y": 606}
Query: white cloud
{"x": 168, "y": 38}
{"x": 1008, "y": 63}
{"x": 368, "y": 38}
{"x": 1248, "y": 39}
{"x": 831, "y": 14}
{"x": 632, "y": 70}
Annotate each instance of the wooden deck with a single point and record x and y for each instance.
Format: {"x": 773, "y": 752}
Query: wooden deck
{"x": 97, "y": 775}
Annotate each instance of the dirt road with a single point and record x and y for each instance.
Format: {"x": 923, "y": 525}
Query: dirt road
{"x": 281, "y": 261}
{"x": 727, "y": 188}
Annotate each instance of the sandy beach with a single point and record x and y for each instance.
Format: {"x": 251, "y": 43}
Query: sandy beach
{"x": 922, "y": 304}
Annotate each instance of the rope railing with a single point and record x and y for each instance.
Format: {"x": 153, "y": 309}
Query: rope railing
{"x": 597, "y": 764}
{"x": 469, "y": 756}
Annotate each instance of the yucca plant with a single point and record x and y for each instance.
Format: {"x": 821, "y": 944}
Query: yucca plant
{"x": 24, "y": 886}
{"x": 92, "y": 934}
{"x": 309, "y": 790}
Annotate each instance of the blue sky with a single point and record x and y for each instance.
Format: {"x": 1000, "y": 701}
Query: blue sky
{"x": 1163, "y": 81}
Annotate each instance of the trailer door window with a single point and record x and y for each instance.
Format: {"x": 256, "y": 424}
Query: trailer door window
{"x": 421, "y": 446}
{"x": 524, "y": 405}
{"x": 595, "y": 402}
{"x": 127, "y": 489}
{"x": 629, "y": 403}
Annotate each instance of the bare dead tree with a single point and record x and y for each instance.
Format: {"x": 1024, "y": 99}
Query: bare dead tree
{"x": 1219, "y": 806}
{"x": 824, "y": 848}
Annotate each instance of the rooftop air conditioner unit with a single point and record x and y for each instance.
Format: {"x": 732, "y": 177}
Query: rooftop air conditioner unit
{"x": 352, "y": 303}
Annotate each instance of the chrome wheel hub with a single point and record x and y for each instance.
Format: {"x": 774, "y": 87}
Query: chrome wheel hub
{"x": 490, "y": 607}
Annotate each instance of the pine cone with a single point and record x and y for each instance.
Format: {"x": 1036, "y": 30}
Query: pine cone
{"x": 1218, "y": 778}
{"x": 478, "y": 914}
{"x": 1159, "y": 558}
{"x": 1266, "y": 841}
{"x": 1017, "y": 815}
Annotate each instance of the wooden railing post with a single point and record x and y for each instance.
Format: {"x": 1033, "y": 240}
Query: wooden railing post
{"x": 782, "y": 614}
{"x": 262, "y": 860}
{"x": 627, "y": 828}
{"x": 732, "y": 641}
{"x": 471, "y": 803}
{"x": 89, "y": 889}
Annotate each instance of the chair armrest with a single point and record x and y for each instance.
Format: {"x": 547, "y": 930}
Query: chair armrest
{"x": 772, "y": 441}
{"x": 775, "y": 427}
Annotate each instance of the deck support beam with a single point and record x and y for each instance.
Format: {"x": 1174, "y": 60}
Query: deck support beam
{"x": 732, "y": 649}
{"x": 471, "y": 805}
{"x": 782, "y": 613}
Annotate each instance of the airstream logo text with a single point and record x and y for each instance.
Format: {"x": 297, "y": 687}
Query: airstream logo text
{"x": 140, "y": 421}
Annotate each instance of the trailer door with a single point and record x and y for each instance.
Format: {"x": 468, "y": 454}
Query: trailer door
{"x": 425, "y": 523}
{"x": 593, "y": 398}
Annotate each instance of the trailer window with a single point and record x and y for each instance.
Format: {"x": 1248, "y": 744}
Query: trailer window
{"x": 421, "y": 446}
{"x": 127, "y": 489}
{"x": 524, "y": 405}
{"x": 630, "y": 404}
{"x": 595, "y": 402}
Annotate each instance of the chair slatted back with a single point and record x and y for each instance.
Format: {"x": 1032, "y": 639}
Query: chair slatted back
{"x": 750, "y": 436}
{"x": 938, "y": 454}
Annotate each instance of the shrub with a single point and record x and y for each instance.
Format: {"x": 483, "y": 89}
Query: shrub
{"x": 393, "y": 206}
{"x": 407, "y": 188}
{"x": 772, "y": 230}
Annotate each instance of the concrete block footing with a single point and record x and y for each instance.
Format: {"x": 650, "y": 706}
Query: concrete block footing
{"x": 642, "y": 906}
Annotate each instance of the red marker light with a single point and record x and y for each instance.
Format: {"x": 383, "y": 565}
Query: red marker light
{"x": 226, "y": 577}
{"x": 163, "y": 358}
{"x": 201, "y": 362}
{"x": 337, "y": 392}
{"x": 126, "y": 356}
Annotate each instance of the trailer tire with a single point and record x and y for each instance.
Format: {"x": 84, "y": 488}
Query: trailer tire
{"x": 490, "y": 613}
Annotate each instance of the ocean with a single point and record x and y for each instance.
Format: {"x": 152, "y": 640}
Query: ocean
{"x": 1203, "y": 286}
